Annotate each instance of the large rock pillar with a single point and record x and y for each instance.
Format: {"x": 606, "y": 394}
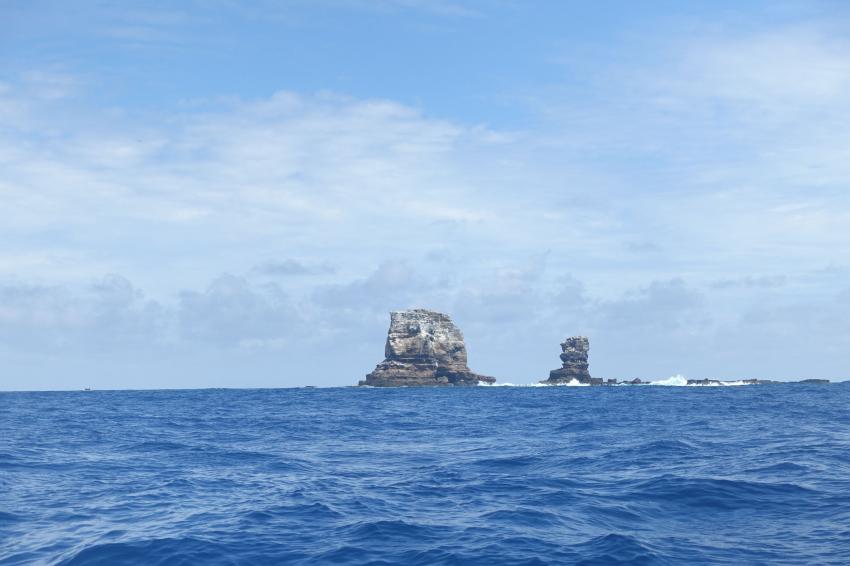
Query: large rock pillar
{"x": 423, "y": 348}
{"x": 575, "y": 366}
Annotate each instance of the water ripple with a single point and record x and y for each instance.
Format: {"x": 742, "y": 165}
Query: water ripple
{"x": 648, "y": 475}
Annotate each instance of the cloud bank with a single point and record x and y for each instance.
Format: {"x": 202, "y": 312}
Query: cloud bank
{"x": 685, "y": 206}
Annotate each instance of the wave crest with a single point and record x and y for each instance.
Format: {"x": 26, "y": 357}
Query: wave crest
{"x": 679, "y": 380}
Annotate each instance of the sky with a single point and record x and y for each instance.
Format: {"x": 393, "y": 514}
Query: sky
{"x": 236, "y": 194}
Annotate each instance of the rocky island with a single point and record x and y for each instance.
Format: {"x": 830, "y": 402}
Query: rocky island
{"x": 574, "y": 354}
{"x": 424, "y": 348}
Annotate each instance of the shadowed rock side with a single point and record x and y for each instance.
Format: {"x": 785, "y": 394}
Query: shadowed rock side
{"x": 424, "y": 348}
{"x": 575, "y": 367}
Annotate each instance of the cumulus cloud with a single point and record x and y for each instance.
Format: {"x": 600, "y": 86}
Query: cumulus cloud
{"x": 725, "y": 156}
{"x": 112, "y": 313}
{"x": 49, "y": 85}
{"x": 293, "y": 267}
{"x": 231, "y": 312}
{"x": 107, "y": 314}
{"x": 289, "y": 171}
{"x": 785, "y": 67}
{"x": 391, "y": 286}
{"x": 512, "y": 324}
{"x": 763, "y": 281}
{"x": 739, "y": 136}
{"x": 668, "y": 304}
{"x": 504, "y": 294}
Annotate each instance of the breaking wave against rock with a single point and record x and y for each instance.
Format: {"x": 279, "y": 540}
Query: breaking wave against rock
{"x": 682, "y": 381}
{"x": 571, "y": 383}
{"x": 674, "y": 381}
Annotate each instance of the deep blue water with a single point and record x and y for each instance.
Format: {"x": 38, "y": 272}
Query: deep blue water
{"x": 619, "y": 475}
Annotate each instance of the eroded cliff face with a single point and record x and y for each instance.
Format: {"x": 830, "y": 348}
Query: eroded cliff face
{"x": 574, "y": 354}
{"x": 424, "y": 348}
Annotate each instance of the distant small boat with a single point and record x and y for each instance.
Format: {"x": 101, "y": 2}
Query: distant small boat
{"x": 87, "y": 389}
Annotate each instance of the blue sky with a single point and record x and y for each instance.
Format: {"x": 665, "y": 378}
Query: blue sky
{"x": 205, "y": 194}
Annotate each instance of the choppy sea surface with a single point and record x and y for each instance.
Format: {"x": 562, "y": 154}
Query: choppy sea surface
{"x": 487, "y": 475}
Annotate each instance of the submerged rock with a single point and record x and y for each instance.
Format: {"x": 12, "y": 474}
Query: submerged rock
{"x": 424, "y": 348}
{"x": 575, "y": 366}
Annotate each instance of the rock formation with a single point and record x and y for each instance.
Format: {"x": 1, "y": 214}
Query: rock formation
{"x": 423, "y": 348}
{"x": 575, "y": 366}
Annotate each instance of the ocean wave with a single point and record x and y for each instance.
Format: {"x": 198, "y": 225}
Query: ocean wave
{"x": 518, "y": 461}
{"x": 682, "y": 381}
{"x": 524, "y": 517}
{"x": 150, "y": 552}
{"x": 6, "y": 518}
{"x": 781, "y": 468}
{"x": 616, "y": 548}
{"x": 394, "y": 530}
{"x": 662, "y": 447}
{"x": 157, "y": 446}
{"x": 306, "y": 512}
{"x": 673, "y": 381}
{"x": 727, "y": 494}
{"x": 428, "y": 476}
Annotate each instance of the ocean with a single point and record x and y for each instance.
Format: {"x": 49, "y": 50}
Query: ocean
{"x": 754, "y": 474}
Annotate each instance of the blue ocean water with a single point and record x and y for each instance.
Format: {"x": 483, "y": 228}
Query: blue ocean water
{"x": 488, "y": 475}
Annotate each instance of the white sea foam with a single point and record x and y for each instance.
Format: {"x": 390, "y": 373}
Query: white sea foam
{"x": 673, "y": 381}
{"x": 572, "y": 383}
{"x": 682, "y": 381}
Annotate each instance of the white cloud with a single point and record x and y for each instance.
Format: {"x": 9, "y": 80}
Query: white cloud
{"x": 775, "y": 69}
{"x": 681, "y": 216}
{"x": 339, "y": 179}
{"x": 292, "y": 268}
{"x": 512, "y": 324}
{"x": 231, "y": 312}
{"x": 49, "y": 85}
{"x": 107, "y": 314}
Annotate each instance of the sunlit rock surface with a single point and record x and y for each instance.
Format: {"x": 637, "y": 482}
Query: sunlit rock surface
{"x": 424, "y": 348}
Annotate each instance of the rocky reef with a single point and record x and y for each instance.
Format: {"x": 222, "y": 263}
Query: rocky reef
{"x": 575, "y": 366}
{"x": 424, "y": 348}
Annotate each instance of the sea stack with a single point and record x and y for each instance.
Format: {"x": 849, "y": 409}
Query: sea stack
{"x": 424, "y": 348}
{"x": 575, "y": 367}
